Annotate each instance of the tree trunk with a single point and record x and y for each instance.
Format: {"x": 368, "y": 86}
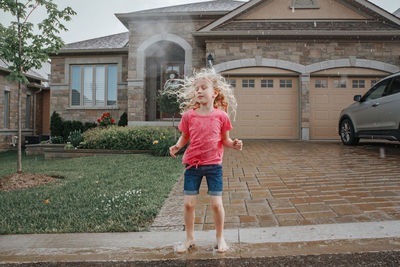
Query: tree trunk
{"x": 19, "y": 164}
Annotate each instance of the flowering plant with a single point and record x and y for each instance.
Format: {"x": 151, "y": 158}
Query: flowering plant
{"x": 106, "y": 120}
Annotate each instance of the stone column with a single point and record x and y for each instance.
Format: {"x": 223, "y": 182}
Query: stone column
{"x": 305, "y": 106}
{"x": 136, "y": 100}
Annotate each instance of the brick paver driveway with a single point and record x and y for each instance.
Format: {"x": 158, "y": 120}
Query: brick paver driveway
{"x": 277, "y": 183}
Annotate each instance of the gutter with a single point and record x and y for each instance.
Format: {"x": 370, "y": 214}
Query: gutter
{"x": 292, "y": 33}
{"x": 92, "y": 51}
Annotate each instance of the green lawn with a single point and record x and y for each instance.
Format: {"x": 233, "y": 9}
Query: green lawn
{"x": 99, "y": 194}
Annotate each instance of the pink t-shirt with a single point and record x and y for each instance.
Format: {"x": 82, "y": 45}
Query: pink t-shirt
{"x": 205, "y": 133}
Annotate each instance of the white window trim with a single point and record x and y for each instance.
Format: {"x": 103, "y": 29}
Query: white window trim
{"x": 93, "y": 106}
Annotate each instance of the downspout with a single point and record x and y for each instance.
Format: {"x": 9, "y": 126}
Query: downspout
{"x": 34, "y": 85}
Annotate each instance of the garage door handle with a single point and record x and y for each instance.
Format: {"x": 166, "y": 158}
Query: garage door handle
{"x": 257, "y": 116}
{"x": 375, "y": 104}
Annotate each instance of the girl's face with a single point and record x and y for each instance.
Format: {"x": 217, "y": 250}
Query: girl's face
{"x": 204, "y": 92}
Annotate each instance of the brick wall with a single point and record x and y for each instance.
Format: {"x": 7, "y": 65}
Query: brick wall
{"x": 7, "y": 133}
{"x": 60, "y": 89}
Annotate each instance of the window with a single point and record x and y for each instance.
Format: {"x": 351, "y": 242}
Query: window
{"x": 267, "y": 83}
{"x": 395, "y": 86}
{"x": 6, "y": 109}
{"x": 373, "y": 82}
{"x": 232, "y": 83}
{"x": 377, "y": 91}
{"x": 339, "y": 83}
{"x": 321, "y": 84}
{"x": 94, "y": 85}
{"x": 358, "y": 83}
{"x": 285, "y": 83}
{"x": 28, "y": 111}
{"x": 248, "y": 83}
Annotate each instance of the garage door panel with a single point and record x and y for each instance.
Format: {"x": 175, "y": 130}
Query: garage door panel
{"x": 265, "y": 112}
{"x": 327, "y": 103}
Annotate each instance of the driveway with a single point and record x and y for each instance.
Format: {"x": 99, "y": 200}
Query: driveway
{"x": 282, "y": 183}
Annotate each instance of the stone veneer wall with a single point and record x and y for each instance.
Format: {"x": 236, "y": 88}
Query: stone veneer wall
{"x": 60, "y": 87}
{"x": 305, "y": 53}
{"x": 7, "y": 133}
{"x": 139, "y": 33}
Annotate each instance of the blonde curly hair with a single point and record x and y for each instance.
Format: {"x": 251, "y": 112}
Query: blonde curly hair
{"x": 185, "y": 91}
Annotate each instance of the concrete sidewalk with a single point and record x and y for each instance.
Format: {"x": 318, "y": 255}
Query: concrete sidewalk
{"x": 369, "y": 243}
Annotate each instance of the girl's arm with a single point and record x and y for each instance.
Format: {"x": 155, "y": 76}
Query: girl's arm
{"x": 228, "y": 142}
{"x": 181, "y": 143}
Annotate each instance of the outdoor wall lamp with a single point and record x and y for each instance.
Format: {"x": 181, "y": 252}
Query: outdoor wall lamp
{"x": 210, "y": 60}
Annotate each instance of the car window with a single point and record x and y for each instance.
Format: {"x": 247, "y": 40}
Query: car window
{"x": 377, "y": 91}
{"x": 395, "y": 86}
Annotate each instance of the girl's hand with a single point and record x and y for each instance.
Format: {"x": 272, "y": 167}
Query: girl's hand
{"x": 173, "y": 150}
{"x": 237, "y": 144}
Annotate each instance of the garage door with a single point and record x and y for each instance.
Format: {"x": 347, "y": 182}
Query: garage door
{"x": 267, "y": 107}
{"x": 330, "y": 95}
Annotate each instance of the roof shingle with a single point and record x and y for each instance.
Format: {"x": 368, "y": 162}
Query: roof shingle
{"x": 119, "y": 40}
{"x": 216, "y": 5}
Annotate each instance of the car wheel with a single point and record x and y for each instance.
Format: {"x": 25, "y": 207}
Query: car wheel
{"x": 347, "y": 133}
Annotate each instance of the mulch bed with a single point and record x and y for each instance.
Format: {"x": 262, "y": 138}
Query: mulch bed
{"x": 18, "y": 181}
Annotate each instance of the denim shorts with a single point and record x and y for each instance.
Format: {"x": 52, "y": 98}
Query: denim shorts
{"x": 193, "y": 177}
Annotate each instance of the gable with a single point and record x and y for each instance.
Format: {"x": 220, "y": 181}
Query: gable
{"x": 316, "y": 9}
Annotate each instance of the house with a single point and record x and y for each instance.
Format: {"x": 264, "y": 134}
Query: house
{"x": 293, "y": 64}
{"x": 35, "y": 115}
{"x": 397, "y": 13}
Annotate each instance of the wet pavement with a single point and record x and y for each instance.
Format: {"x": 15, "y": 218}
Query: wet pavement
{"x": 287, "y": 203}
{"x": 379, "y": 242}
{"x": 283, "y": 183}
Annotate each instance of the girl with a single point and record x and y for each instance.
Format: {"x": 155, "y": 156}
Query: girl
{"x": 206, "y": 98}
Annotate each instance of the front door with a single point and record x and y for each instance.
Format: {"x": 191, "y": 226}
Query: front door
{"x": 170, "y": 71}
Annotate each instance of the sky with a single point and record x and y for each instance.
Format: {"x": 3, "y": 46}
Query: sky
{"x": 96, "y": 18}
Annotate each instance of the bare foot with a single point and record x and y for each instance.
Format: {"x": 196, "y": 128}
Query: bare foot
{"x": 222, "y": 246}
{"x": 183, "y": 247}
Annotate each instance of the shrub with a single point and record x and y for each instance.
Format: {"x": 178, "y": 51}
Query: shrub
{"x": 89, "y": 125}
{"x": 123, "y": 120}
{"x": 68, "y": 147}
{"x": 75, "y": 137}
{"x": 57, "y": 140}
{"x": 56, "y": 125}
{"x": 106, "y": 120}
{"x": 163, "y": 143}
{"x": 70, "y": 126}
{"x": 124, "y": 138}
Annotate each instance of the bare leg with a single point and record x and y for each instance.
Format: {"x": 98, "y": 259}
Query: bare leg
{"x": 219, "y": 217}
{"x": 189, "y": 213}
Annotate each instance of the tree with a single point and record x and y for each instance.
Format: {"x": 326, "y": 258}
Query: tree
{"x": 23, "y": 49}
{"x": 123, "y": 120}
{"x": 168, "y": 100}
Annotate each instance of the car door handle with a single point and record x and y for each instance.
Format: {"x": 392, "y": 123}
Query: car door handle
{"x": 375, "y": 104}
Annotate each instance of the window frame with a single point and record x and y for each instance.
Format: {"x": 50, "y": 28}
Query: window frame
{"x": 269, "y": 83}
{"x": 93, "y": 89}
{"x": 358, "y": 84}
{"x": 340, "y": 83}
{"x": 321, "y": 83}
{"x": 232, "y": 83}
{"x": 285, "y": 83}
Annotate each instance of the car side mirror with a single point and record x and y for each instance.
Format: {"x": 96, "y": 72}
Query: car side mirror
{"x": 357, "y": 98}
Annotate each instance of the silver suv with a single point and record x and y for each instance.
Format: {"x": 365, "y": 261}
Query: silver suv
{"x": 374, "y": 115}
